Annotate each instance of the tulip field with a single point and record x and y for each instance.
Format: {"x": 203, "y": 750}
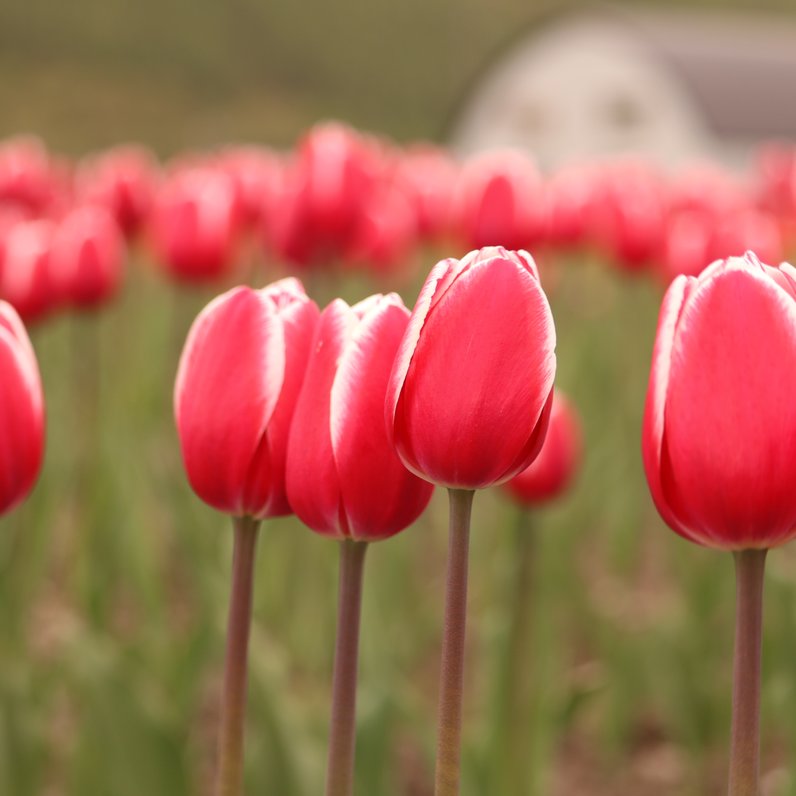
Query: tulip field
{"x": 177, "y": 313}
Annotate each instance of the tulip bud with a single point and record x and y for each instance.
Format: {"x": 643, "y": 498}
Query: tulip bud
{"x": 121, "y": 180}
{"x": 21, "y": 411}
{"x": 238, "y": 380}
{"x": 471, "y": 388}
{"x": 194, "y": 224}
{"x": 87, "y": 256}
{"x": 343, "y": 476}
{"x": 551, "y": 472}
{"x": 499, "y": 201}
{"x": 719, "y": 437}
{"x": 26, "y": 279}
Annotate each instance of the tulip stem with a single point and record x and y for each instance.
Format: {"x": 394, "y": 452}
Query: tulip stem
{"x": 449, "y": 727}
{"x": 342, "y": 734}
{"x": 745, "y": 751}
{"x": 229, "y": 780}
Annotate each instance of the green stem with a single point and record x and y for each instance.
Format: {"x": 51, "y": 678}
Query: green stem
{"x": 449, "y": 726}
{"x": 229, "y": 780}
{"x": 342, "y": 735}
{"x": 745, "y": 750}
{"x": 509, "y": 736}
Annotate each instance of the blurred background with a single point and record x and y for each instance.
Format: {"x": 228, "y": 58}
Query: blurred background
{"x": 114, "y": 577}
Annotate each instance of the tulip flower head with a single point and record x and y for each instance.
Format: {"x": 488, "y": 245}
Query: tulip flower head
{"x": 237, "y": 384}
{"x": 719, "y": 439}
{"x": 21, "y": 411}
{"x": 471, "y": 387}
{"x": 549, "y": 475}
{"x": 343, "y": 476}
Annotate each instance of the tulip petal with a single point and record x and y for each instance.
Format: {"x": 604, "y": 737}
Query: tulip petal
{"x": 265, "y": 491}
{"x": 729, "y": 442}
{"x": 21, "y": 421}
{"x": 313, "y": 484}
{"x": 229, "y": 379}
{"x": 479, "y": 378}
{"x": 652, "y": 437}
{"x": 380, "y": 496}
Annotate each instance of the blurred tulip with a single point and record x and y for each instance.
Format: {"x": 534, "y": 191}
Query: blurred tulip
{"x": 499, "y": 201}
{"x": 569, "y": 197}
{"x": 429, "y": 175}
{"x": 86, "y": 258}
{"x": 628, "y": 214}
{"x": 471, "y": 388}
{"x": 386, "y": 232}
{"x": 549, "y": 475}
{"x": 687, "y": 244}
{"x": 748, "y": 230}
{"x": 26, "y": 279}
{"x": 238, "y": 381}
{"x": 256, "y": 174}
{"x": 122, "y": 180}
{"x": 343, "y": 476}
{"x": 194, "y": 230}
{"x": 26, "y": 178}
{"x": 720, "y": 424}
{"x": 326, "y": 185}
{"x": 21, "y": 411}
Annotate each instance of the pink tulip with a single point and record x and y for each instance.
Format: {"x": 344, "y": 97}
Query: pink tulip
{"x": 551, "y": 473}
{"x": 123, "y": 181}
{"x": 471, "y": 388}
{"x": 26, "y": 278}
{"x": 21, "y": 411}
{"x": 499, "y": 201}
{"x": 238, "y": 381}
{"x": 194, "y": 224}
{"x": 343, "y": 476}
{"x": 720, "y": 426}
{"x": 26, "y": 176}
{"x": 429, "y": 176}
{"x": 87, "y": 256}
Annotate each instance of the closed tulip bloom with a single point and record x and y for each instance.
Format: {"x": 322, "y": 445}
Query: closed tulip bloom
{"x": 549, "y": 475}
{"x": 87, "y": 256}
{"x": 26, "y": 279}
{"x": 194, "y": 224}
{"x": 471, "y": 388}
{"x": 122, "y": 180}
{"x": 720, "y": 425}
{"x": 343, "y": 476}
{"x": 238, "y": 380}
{"x": 21, "y": 411}
{"x": 499, "y": 201}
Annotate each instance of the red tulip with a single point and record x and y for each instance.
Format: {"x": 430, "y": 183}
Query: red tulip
{"x": 238, "y": 381}
{"x": 471, "y": 388}
{"x": 194, "y": 229}
{"x": 343, "y": 476}
{"x": 26, "y": 178}
{"x": 21, "y": 411}
{"x": 551, "y": 472}
{"x": 499, "y": 201}
{"x": 719, "y": 436}
{"x": 26, "y": 279}
{"x": 121, "y": 180}
{"x": 429, "y": 175}
{"x": 386, "y": 232}
{"x": 86, "y": 256}
{"x": 256, "y": 175}
{"x": 324, "y": 191}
